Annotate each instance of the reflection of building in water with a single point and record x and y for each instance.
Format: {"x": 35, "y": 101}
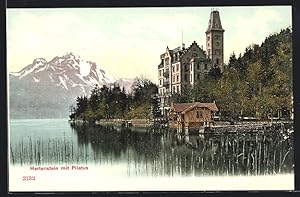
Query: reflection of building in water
{"x": 191, "y": 115}
{"x": 183, "y": 67}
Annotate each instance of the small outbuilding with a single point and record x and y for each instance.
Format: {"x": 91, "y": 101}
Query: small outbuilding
{"x": 191, "y": 115}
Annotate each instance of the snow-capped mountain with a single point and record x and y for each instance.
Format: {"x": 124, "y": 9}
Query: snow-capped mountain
{"x": 49, "y": 88}
{"x": 67, "y": 72}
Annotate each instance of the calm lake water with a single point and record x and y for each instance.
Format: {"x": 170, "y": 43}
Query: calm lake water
{"x": 153, "y": 153}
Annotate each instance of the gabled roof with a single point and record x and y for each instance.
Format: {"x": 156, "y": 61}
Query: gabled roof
{"x": 189, "y": 48}
{"x": 184, "y": 107}
{"x": 181, "y": 51}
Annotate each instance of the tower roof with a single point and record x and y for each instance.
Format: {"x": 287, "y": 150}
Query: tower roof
{"x": 214, "y": 23}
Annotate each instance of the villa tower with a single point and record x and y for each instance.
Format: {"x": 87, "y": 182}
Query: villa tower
{"x": 183, "y": 67}
{"x": 215, "y": 40}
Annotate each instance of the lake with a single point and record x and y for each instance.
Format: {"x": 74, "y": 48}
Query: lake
{"x": 156, "y": 153}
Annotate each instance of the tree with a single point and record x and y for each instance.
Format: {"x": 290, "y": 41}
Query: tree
{"x": 215, "y": 72}
{"x": 94, "y": 98}
{"x": 156, "y": 112}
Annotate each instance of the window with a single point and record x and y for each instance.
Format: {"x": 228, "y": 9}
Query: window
{"x": 198, "y": 76}
{"x": 217, "y": 61}
{"x": 173, "y": 89}
{"x": 167, "y": 70}
{"x": 167, "y": 61}
{"x": 173, "y": 80}
{"x": 177, "y": 67}
{"x": 173, "y": 68}
{"x": 198, "y": 66}
{"x": 198, "y": 114}
{"x": 160, "y": 82}
{"x": 185, "y": 77}
{"x": 205, "y": 66}
{"x": 160, "y": 73}
{"x": 177, "y": 78}
{"x": 177, "y": 88}
{"x": 186, "y": 68}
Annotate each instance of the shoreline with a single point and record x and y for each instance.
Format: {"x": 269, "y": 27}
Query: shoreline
{"x": 217, "y": 127}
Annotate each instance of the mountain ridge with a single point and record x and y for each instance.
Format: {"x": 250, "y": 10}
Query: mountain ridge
{"x": 55, "y": 84}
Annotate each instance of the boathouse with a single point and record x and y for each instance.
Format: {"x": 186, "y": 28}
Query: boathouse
{"x": 191, "y": 115}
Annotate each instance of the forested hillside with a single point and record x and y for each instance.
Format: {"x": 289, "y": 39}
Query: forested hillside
{"x": 257, "y": 83}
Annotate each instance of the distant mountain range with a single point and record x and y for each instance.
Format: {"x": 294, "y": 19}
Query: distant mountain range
{"x": 48, "y": 89}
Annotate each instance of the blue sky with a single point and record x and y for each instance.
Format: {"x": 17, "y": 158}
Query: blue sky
{"x": 127, "y": 42}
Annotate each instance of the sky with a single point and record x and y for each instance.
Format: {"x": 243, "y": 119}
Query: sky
{"x": 128, "y": 42}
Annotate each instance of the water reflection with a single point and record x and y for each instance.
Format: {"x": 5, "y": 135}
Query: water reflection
{"x": 163, "y": 152}
{"x": 168, "y": 153}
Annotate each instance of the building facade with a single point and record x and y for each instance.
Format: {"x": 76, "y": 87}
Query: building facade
{"x": 182, "y": 67}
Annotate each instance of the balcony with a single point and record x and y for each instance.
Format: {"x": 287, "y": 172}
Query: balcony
{"x": 166, "y": 83}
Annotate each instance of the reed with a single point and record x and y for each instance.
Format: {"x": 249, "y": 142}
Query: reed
{"x": 165, "y": 154}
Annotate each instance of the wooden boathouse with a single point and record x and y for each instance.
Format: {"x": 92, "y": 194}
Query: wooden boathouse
{"x": 191, "y": 115}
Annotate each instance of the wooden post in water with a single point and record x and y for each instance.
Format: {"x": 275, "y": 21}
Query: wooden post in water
{"x": 280, "y": 159}
{"x": 256, "y": 154}
{"x": 243, "y": 156}
{"x": 274, "y": 161}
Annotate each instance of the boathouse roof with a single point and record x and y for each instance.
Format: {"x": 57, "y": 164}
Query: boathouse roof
{"x": 184, "y": 107}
